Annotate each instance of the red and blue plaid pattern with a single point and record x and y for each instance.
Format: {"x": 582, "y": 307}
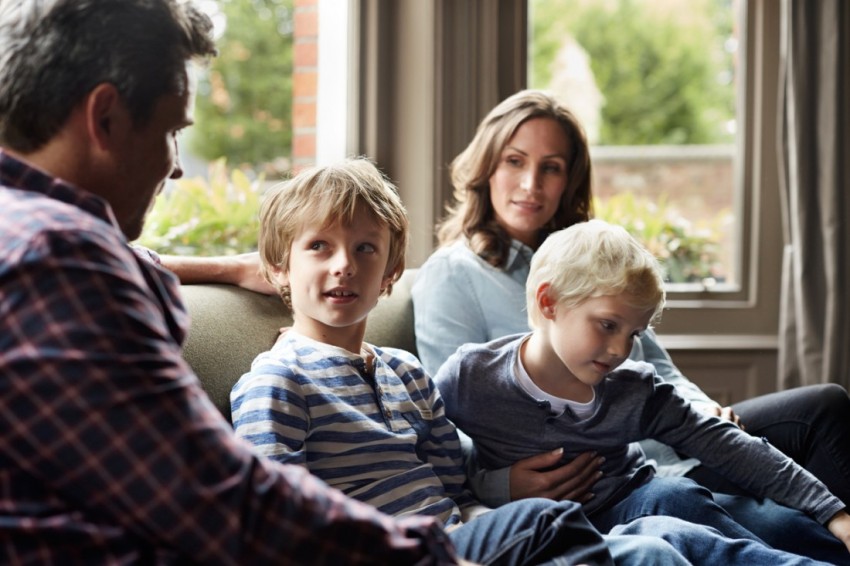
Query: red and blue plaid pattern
{"x": 110, "y": 452}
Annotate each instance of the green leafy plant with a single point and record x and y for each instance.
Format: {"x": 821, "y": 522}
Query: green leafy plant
{"x": 689, "y": 254}
{"x": 197, "y": 216}
{"x": 244, "y": 106}
{"x": 663, "y": 81}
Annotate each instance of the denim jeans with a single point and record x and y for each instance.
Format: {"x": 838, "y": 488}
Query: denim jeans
{"x": 784, "y": 528}
{"x": 704, "y": 545}
{"x": 541, "y": 531}
{"x": 671, "y": 497}
{"x": 714, "y": 537}
{"x": 531, "y": 531}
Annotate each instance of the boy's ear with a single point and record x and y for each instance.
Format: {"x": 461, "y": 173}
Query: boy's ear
{"x": 387, "y": 280}
{"x": 545, "y": 303}
{"x": 281, "y": 276}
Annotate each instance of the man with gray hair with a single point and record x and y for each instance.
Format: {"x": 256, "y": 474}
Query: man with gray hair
{"x": 110, "y": 452}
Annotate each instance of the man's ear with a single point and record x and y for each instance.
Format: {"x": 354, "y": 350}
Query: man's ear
{"x": 545, "y": 302}
{"x": 106, "y": 116}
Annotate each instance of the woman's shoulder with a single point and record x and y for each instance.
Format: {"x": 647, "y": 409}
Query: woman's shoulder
{"x": 457, "y": 253}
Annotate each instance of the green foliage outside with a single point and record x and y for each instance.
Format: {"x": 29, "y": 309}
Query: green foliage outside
{"x": 687, "y": 254}
{"x": 657, "y": 76}
{"x": 244, "y": 105}
{"x": 203, "y": 217}
{"x": 655, "y": 64}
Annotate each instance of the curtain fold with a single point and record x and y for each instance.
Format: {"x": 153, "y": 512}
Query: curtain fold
{"x": 814, "y": 156}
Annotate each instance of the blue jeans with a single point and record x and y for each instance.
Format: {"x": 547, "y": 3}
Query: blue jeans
{"x": 684, "y": 499}
{"x": 704, "y": 545}
{"x": 784, "y": 528}
{"x": 541, "y": 531}
{"x": 671, "y": 497}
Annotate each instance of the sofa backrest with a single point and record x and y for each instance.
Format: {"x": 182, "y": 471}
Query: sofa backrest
{"x": 231, "y": 325}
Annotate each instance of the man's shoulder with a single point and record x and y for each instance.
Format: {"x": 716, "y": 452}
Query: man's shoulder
{"x": 34, "y": 220}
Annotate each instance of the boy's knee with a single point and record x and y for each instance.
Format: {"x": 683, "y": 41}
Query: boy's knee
{"x": 673, "y": 492}
{"x": 533, "y": 510}
{"x": 641, "y": 550}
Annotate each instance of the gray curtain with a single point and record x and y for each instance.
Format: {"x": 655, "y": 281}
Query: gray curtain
{"x": 814, "y": 153}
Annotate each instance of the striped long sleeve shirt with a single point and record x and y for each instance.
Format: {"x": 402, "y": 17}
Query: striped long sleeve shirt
{"x": 380, "y": 436}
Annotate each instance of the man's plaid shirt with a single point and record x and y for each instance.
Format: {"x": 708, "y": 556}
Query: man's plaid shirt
{"x": 110, "y": 452}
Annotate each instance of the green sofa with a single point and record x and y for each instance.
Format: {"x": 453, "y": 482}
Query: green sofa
{"x": 231, "y": 325}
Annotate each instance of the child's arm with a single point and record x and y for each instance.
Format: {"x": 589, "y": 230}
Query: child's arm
{"x": 257, "y": 403}
{"x": 748, "y": 461}
{"x": 442, "y": 449}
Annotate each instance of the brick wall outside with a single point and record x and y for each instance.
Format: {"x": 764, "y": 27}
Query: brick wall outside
{"x": 695, "y": 184}
{"x": 304, "y": 81}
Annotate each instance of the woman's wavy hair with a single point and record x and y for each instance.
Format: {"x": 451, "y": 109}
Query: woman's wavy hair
{"x": 471, "y": 214}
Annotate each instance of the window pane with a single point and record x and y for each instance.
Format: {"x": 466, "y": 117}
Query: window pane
{"x": 654, "y": 84}
{"x": 242, "y": 135}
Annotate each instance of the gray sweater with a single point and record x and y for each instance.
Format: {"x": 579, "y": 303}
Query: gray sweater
{"x": 506, "y": 424}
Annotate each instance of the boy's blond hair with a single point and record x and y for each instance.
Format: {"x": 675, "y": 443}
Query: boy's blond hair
{"x": 325, "y": 196}
{"x": 594, "y": 259}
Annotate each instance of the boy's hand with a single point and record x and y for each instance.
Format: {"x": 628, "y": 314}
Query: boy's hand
{"x": 839, "y": 526}
{"x": 571, "y": 481}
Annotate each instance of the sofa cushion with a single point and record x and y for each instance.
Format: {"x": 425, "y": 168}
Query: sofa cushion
{"x": 231, "y": 325}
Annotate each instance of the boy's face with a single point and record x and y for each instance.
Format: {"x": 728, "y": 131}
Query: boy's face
{"x": 596, "y": 336}
{"x": 336, "y": 275}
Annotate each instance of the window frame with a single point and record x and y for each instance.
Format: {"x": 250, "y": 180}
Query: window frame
{"x": 415, "y": 113}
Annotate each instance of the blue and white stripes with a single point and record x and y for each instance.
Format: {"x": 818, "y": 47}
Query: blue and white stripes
{"x": 380, "y": 437}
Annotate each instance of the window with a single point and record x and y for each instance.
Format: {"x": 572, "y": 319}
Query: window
{"x": 243, "y": 133}
{"x": 431, "y": 70}
{"x": 654, "y": 83}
